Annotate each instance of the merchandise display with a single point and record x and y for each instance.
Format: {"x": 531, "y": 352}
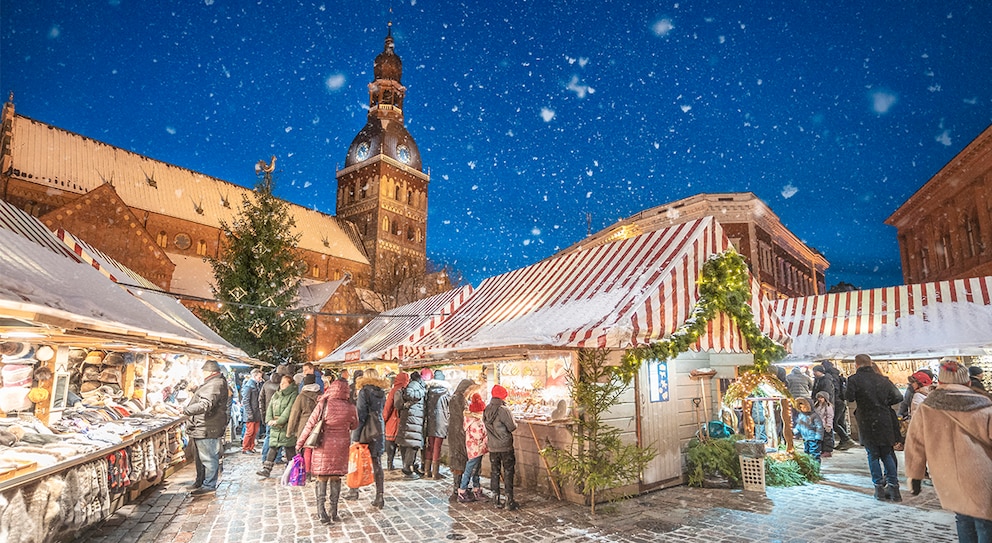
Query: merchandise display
{"x": 538, "y": 389}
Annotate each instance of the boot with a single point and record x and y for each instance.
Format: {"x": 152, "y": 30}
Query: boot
{"x": 321, "y": 491}
{"x": 333, "y": 493}
{"x": 457, "y": 480}
{"x": 479, "y": 496}
{"x": 428, "y": 470}
{"x": 266, "y": 469}
{"x": 352, "y": 494}
{"x": 437, "y": 471}
{"x": 378, "y": 502}
{"x": 880, "y": 492}
{"x": 892, "y": 493}
{"x": 511, "y": 504}
{"x": 465, "y": 496}
{"x": 496, "y": 501}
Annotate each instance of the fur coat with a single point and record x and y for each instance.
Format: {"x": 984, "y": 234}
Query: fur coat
{"x": 951, "y": 433}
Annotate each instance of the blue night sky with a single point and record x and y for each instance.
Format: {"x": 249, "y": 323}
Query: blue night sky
{"x": 529, "y": 114}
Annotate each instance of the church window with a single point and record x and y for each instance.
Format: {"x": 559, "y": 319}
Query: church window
{"x": 409, "y": 197}
{"x": 365, "y": 190}
{"x": 409, "y": 233}
{"x": 201, "y": 247}
{"x": 396, "y": 193}
{"x": 315, "y": 271}
{"x": 925, "y": 262}
{"x": 385, "y": 224}
{"x": 420, "y": 236}
{"x": 162, "y": 239}
{"x": 972, "y": 235}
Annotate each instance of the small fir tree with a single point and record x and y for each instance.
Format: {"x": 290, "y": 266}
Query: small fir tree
{"x": 257, "y": 278}
{"x": 598, "y": 459}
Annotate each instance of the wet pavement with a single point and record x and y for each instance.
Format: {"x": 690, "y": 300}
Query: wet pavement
{"x": 246, "y": 508}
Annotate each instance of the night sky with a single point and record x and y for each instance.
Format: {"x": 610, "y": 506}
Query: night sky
{"x": 530, "y": 115}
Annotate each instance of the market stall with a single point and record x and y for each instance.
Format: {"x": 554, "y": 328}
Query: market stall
{"x": 530, "y": 324}
{"x": 95, "y": 371}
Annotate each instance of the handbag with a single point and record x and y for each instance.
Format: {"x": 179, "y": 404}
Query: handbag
{"x": 295, "y": 473}
{"x": 370, "y": 431}
{"x": 316, "y": 435}
{"x": 359, "y": 466}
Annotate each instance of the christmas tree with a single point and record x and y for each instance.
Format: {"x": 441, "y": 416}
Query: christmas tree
{"x": 257, "y": 278}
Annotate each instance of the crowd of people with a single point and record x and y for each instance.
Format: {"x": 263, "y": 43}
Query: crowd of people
{"x": 320, "y": 415}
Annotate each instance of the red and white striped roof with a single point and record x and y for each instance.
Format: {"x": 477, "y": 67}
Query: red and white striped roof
{"x": 388, "y": 335}
{"x": 26, "y": 226}
{"x": 907, "y": 321}
{"x": 614, "y": 295}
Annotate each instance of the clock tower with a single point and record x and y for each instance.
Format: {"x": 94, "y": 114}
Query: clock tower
{"x": 382, "y": 188}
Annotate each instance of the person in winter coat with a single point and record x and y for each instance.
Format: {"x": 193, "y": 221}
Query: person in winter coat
{"x": 476, "y": 446}
{"x": 438, "y": 398}
{"x": 951, "y": 433}
{"x": 823, "y": 382}
{"x": 878, "y": 427}
{"x": 370, "y": 400}
{"x": 300, "y": 413}
{"x": 977, "y": 375}
{"x": 922, "y": 386}
{"x": 499, "y": 434}
{"x": 457, "y": 455}
{"x": 250, "y": 410}
{"x": 208, "y": 412}
{"x": 330, "y": 458}
{"x": 410, "y": 437}
{"x": 277, "y": 414}
{"x": 824, "y": 408}
{"x": 842, "y": 433}
{"x": 269, "y": 388}
{"x": 798, "y": 383}
{"x": 809, "y": 427}
{"x": 392, "y": 417}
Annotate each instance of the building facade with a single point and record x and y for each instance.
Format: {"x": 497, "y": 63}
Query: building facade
{"x": 784, "y": 265}
{"x": 945, "y": 228}
{"x": 163, "y": 221}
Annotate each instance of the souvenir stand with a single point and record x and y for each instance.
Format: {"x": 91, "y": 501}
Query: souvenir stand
{"x": 527, "y": 328}
{"x": 903, "y": 328}
{"x": 381, "y": 343}
{"x": 92, "y": 370}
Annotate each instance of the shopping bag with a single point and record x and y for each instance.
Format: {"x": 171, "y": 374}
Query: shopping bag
{"x": 359, "y": 466}
{"x": 295, "y": 473}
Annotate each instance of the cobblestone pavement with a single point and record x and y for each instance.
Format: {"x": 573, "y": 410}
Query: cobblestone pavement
{"x": 249, "y": 509}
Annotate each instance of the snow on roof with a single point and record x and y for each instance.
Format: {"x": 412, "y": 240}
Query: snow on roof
{"x": 617, "y": 294}
{"x": 386, "y": 336}
{"x": 925, "y": 320}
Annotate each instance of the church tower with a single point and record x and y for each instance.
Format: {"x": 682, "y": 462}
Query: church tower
{"x": 382, "y": 188}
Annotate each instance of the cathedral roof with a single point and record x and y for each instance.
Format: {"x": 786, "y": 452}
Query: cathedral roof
{"x": 66, "y": 161}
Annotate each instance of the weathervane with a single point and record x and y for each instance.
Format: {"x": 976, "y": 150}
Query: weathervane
{"x": 267, "y": 168}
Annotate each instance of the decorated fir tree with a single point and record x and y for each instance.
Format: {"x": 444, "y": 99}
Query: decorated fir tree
{"x": 257, "y": 278}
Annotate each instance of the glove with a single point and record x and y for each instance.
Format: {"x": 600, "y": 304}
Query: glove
{"x": 916, "y": 485}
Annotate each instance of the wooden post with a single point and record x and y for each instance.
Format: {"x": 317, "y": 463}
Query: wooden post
{"x": 547, "y": 467}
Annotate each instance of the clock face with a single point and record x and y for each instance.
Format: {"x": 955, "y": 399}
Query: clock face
{"x": 403, "y": 153}
{"x": 362, "y": 152}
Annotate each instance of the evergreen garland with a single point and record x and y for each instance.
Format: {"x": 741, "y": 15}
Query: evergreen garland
{"x": 723, "y": 287}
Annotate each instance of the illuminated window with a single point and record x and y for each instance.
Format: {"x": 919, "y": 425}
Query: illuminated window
{"x": 201, "y": 248}
{"x": 315, "y": 271}
{"x": 385, "y": 224}
{"x": 162, "y": 239}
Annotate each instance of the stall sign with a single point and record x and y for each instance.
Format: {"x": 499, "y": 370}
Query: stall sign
{"x": 658, "y": 380}
{"x": 353, "y": 356}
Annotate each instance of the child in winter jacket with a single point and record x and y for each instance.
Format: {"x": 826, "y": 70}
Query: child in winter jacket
{"x": 476, "y": 446}
{"x": 809, "y": 427}
{"x": 825, "y": 410}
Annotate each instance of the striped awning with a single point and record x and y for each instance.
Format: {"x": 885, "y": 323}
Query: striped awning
{"x": 615, "y": 295}
{"x": 908, "y": 321}
{"x": 28, "y": 227}
{"x": 388, "y": 335}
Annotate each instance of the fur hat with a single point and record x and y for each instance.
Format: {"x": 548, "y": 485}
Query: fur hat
{"x": 45, "y": 353}
{"x": 975, "y": 371}
{"x": 499, "y": 392}
{"x": 94, "y": 357}
{"x": 416, "y": 376}
{"x": 804, "y": 401}
{"x": 953, "y": 372}
{"x": 439, "y": 375}
{"x": 923, "y": 379}
{"x": 210, "y": 366}
{"x": 427, "y": 374}
{"x": 113, "y": 359}
{"x": 477, "y": 405}
{"x": 15, "y": 350}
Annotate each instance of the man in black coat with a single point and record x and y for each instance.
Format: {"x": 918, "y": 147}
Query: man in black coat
{"x": 208, "y": 410}
{"x": 878, "y": 427}
{"x": 251, "y": 411}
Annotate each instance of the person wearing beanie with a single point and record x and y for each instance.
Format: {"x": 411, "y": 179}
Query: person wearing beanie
{"x": 822, "y": 382}
{"x": 877, "y": 424}
{"x": 410, "y": 438}
{"x": 951, "y": 435}
{"x": 475, "y": 446}
{"x": 824, "y": 408}
{"x": 300, "y": 412}
{"x": 437, "y": 411}
{"x": 457, "y": 453}
{"x": 208, "y": 412}
{"x": 977, "y": 374}
{"x": 499, "y": 434}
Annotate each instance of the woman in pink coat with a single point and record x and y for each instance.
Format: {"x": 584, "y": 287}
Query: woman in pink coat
{"x": 329, "y": 461}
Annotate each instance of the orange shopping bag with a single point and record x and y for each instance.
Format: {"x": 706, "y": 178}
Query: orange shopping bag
{"x": 359, "y": 466}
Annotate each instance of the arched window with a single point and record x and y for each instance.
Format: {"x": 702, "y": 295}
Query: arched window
{"x": 385, "y": 224}
{"x": 409, "y": 233}
{"x": 396, "y": 193}
{"x": 420, "y": 236}
{"x": 162, "y": 239}
{"x": 409, "y": 197}
{"x": 201, "y": 248}
{"x": 315, "y": 271}
{"x": 365, "y": 190}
